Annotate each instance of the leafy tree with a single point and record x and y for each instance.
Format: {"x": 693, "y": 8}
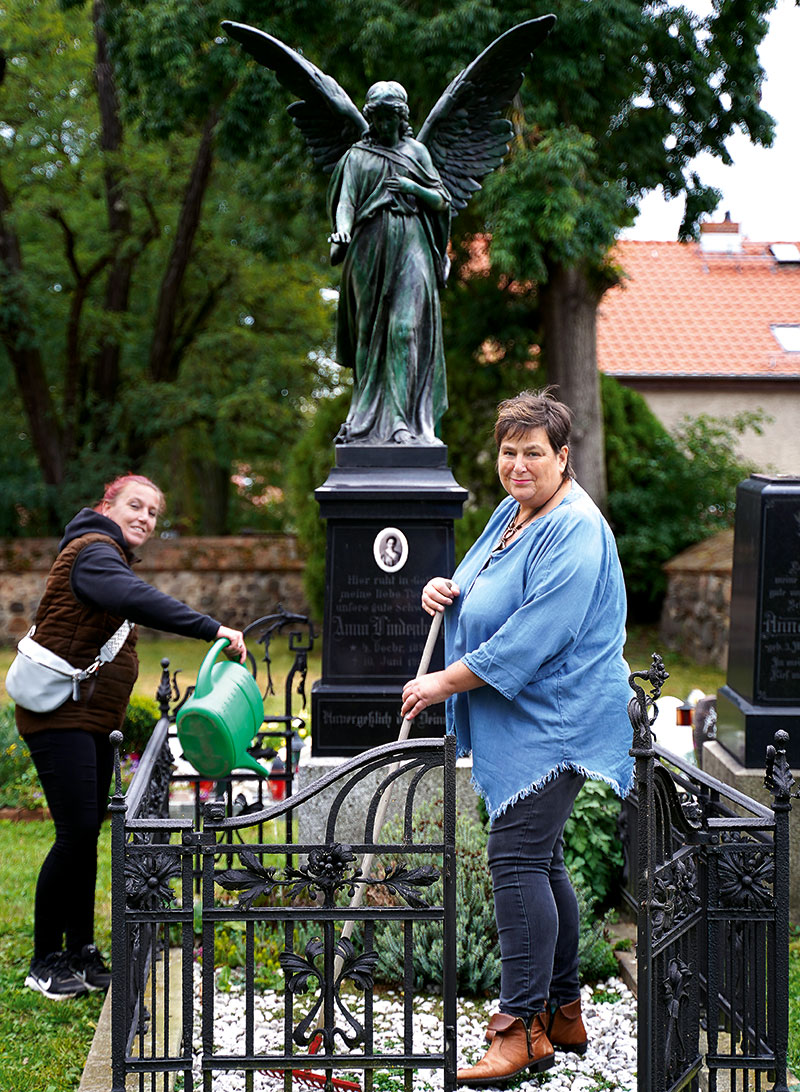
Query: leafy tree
{"x": 140, "y": 327}
{"x": 162, "y": 156}
{"x": 620, "y": 100}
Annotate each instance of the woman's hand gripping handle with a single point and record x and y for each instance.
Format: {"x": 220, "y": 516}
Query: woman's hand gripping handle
{"x": 438, "y": 593}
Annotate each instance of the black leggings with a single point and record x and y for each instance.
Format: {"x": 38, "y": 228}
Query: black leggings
{"x": 75, "y": 770}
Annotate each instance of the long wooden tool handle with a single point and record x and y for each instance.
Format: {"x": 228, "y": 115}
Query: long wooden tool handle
{"x": 424, "y": 664}
{"x": 383, "y": 806}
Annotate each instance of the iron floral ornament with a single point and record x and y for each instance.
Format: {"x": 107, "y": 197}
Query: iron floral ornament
{"x": 299, "y": 970}
{"x": 675, "y": 896}
{"x": 147, "y": 880}
{"x": 676, "y": 991}
{"x": 329, "y": 870}
{"x": 746, "y": 876}
{"x": 778, "y": 776}
{"x": 638, "y": 706}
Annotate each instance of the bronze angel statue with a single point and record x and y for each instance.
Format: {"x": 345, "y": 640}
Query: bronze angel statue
{"x": 391, "y": 199}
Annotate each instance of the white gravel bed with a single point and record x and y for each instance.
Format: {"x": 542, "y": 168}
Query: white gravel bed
{"x": 609, "y": 1011}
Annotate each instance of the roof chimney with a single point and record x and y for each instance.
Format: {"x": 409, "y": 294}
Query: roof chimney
{"x": 724, "y": 237}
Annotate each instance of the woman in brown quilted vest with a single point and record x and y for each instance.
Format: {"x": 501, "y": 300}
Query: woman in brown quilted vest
{"x": 90, "y": 591}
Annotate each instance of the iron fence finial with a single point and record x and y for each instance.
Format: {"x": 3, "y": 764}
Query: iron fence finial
{"x": 778, "y": 775}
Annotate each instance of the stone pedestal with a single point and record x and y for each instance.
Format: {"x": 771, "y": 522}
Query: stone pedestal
{"x": 719, "y": 763}
{"x": 762, "y": 691}
{"x": 312, "y": 817}
{"x": 390, "y": 513}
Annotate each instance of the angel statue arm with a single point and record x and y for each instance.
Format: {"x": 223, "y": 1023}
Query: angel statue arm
{"x": 345, "y": 212}
{"x": 391, "y": 199}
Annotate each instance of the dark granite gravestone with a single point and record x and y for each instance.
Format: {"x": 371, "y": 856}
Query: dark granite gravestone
{"x": 762, "y": 693}
{"x": 390, "y": 513}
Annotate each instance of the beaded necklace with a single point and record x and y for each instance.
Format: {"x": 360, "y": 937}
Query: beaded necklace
{"x": 513, "y": 526}
{"x": 507, "y": 535}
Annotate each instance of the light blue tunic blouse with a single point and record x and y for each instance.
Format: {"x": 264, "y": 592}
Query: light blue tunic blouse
{"x": 544, "y": 625}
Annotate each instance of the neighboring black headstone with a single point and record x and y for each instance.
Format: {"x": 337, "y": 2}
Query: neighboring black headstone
{"x": 762, "y": 693}
{"x": 390, "y": 513}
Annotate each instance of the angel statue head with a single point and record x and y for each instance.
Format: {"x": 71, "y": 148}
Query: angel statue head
{"x": 386, "y": 93}
{"x": 385, "y": 96}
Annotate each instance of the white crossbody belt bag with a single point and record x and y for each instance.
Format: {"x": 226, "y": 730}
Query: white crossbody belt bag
{"x": 40, "y": 681}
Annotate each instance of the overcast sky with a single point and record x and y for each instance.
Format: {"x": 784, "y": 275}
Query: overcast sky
{"x": 762, "y": 188}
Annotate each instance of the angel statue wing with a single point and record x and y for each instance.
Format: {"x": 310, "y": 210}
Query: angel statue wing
{"x": 325, "y": 115}
{"x": 465, "y": 132}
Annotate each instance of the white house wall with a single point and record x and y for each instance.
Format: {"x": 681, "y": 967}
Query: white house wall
{"x": 777, "y": 450}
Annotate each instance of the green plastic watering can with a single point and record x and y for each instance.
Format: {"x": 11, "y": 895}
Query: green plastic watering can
{"x": 218, "y": 723}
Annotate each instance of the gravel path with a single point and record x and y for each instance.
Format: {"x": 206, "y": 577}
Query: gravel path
{"x": 609, "y": 1063}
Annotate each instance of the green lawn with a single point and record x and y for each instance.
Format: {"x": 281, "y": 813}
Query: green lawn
{"x": 43, "y": 1044}
{"x": 684, "y": 674}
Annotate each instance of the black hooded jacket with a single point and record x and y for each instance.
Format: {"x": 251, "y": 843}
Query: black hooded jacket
{"x": 101, "y": 579}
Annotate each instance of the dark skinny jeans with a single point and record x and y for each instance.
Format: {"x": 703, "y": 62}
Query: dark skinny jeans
{"x": 534, "y": 903}
{"x": 75, "y": 769}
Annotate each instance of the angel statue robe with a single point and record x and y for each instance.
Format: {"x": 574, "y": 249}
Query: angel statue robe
{"x": 389, "y": 328}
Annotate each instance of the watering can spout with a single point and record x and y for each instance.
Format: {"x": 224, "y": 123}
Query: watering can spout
{"x": 247, "y": 762}
{"x": 218, "y": 723}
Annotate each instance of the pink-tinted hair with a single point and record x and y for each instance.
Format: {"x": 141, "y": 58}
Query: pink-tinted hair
{"x": 113, "y": 489}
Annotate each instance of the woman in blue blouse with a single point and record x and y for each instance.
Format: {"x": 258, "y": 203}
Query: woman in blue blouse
{"x": 536, "y": 691}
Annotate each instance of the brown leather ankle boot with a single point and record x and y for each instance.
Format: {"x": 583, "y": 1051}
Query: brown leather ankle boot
{"x": 514, "y": 1047}
{"x": 566, "y": 1030}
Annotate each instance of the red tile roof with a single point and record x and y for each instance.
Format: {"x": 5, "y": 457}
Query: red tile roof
{"x": 682, "y": 311}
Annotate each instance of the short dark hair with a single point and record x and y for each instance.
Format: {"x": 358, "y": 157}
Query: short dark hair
{"x": 536, "y": 409}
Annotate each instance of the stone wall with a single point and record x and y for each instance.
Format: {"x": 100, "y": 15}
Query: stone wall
{"x": 695, "y": 618}
{"x": 235, "y": 579}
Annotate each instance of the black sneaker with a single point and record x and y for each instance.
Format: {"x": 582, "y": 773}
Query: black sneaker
{"x": 53, "y": 977}
{"x": 90, "y": 968}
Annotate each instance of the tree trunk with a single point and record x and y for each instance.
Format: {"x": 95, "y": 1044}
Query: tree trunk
{"x": 569, "y": 346}
{"x": 213, "y": 485}
{"x": 106, "y": 369}
{"x": 164, "y": 360}
{"x": 19, "y": 337}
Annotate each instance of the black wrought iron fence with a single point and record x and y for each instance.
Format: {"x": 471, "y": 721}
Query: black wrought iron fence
{"x": 707, "y": 876}
{"x": 295, "y": 896}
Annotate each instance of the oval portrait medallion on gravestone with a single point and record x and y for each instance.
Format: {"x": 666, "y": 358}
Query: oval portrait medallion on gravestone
{"x": 390, "y": 549}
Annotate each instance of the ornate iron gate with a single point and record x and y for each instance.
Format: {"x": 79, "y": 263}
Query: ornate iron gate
{"x": 708, "y": 880}
{"x": 238, "y": 880}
